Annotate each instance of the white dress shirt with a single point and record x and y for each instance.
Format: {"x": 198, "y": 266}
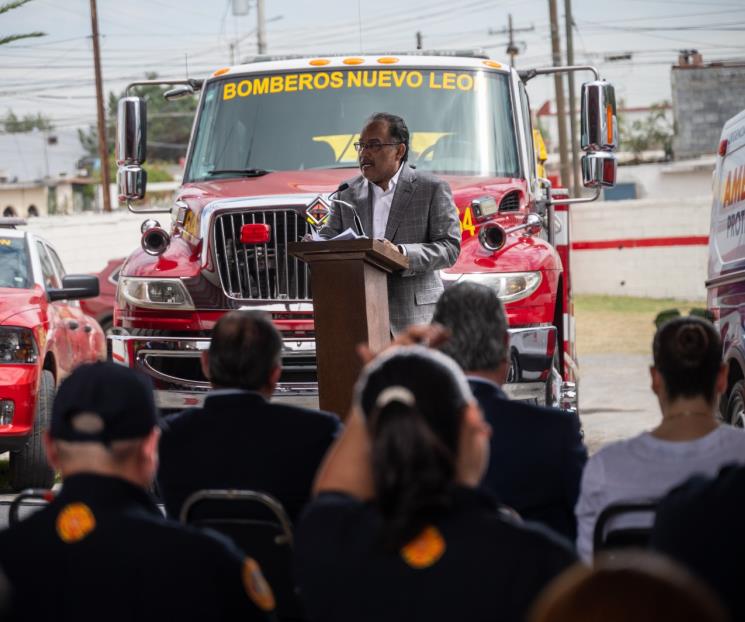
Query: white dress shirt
{"x": 382, "y": 200}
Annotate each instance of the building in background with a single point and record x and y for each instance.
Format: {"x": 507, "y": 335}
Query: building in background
{"x": 705, "y": 95}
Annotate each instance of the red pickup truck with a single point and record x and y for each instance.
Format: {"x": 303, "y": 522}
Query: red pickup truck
{"x": 44, "y": 334}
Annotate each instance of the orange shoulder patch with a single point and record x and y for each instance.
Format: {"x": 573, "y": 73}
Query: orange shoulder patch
{"x": 75, "y": 522}
{"x": 424, "y": 550}
{"x": 256, "y": 586}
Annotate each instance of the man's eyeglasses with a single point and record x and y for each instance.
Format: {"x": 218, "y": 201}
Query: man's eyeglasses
{"x": 374, "y": 147}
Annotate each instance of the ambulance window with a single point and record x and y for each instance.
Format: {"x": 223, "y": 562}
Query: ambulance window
{"x": 528, "y": 131}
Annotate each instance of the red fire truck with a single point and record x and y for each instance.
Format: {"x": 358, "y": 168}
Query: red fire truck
{"x": 273, "y": 139}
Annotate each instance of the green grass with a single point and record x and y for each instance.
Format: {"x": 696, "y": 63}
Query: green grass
{"x": 621, "y": 324}
{"x": 629, "y": 304}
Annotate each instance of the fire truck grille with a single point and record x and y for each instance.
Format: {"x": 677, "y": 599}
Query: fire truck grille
{"x": 261, "y": 271}
{"x": 510, "y": 202}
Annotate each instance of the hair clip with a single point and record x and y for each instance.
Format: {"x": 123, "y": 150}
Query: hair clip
{"x": 395, "y": 393}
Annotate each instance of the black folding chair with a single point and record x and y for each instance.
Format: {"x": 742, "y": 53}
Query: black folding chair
{"x": 260, "y": 527}
{"x": 41, "y": 497}
{"x": 606, "y": 537}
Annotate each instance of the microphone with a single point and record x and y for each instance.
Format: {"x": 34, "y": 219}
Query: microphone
{"x": 341, "y": 188}
{"x": 357, "y": 220}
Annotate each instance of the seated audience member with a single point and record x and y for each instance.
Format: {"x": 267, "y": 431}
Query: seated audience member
{"x": 102, "y": 550}
{"x": 537, "y": 454}
{"x": 698, "y": 524}
{"x": 687, "y": 376}
{"x": 627, "y": 587}
{"x": 398, "y": 529}
{"x": 239, "y": 439}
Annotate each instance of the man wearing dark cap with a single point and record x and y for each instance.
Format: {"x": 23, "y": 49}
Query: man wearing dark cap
{"x": 102, "y": 550}
{"x": 239, "y": 438}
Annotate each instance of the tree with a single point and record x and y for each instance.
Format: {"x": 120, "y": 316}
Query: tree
{"x": 13, "y": 125}
{"x": 168, "y": 123}
{"x": 4, "y": 8}
{"x": 655, "y": 131}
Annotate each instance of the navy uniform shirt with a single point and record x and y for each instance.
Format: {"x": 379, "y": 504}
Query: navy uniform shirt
{"x": 103, "y": 551}
{"x": 239, "y": 439}
{"x": 473, "y": 564}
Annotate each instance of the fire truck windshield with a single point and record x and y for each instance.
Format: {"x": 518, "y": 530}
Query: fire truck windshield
{"x": 460, "y": 121}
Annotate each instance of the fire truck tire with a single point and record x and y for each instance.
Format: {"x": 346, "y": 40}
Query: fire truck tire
{"x": 28, "y": 466}
{"x": 735, "y": 414}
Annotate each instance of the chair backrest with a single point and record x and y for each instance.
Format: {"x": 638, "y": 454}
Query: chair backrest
{"x": 607, "y": 537}
{"x": 41, "y": 497}
{"x": 260, "y": 527}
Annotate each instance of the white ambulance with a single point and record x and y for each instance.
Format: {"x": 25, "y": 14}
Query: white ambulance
{"x": 726, "y": 277}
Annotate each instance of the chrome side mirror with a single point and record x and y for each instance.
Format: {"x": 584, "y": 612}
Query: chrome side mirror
{"x": 599, "y": 169}
{"x": 131, "y": 131}
{"x": 131, "y": 181}
{"x": 179, "y": 91}
{"x": 599, "y": 121}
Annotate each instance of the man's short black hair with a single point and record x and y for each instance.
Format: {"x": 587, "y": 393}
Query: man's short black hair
{"x": 397, "y": 129}
{"x": 245, "y": 349}
{"x": 476, "y": 319}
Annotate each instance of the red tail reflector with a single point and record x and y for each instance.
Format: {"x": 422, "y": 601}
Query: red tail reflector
{"x": 723, "y": 148}
{"x": 255, "y": 234}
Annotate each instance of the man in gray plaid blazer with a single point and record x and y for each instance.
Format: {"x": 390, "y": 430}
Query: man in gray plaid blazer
{"x": 411, "y": 211}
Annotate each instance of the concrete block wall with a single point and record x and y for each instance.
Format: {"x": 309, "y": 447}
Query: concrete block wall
{"x": 703, "y": 99}
{"x": 651, "y": 248}
{"x": 85, "y": 242}
{"x": 609, "y": 255}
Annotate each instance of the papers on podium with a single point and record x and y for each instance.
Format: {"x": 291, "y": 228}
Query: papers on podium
{"x": 347, "y": 234}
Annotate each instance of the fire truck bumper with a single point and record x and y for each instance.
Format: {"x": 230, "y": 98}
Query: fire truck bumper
{"x": 173, "y": 365}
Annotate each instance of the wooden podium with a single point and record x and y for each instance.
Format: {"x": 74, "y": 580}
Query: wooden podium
{"x": 349, "y": 280}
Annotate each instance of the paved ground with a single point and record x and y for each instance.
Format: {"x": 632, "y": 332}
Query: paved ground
{"x": 615, "y": 398}
{"x": 615, "y": 402}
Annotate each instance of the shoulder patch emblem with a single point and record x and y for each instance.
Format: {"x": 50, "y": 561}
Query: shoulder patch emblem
{"x": 75, "y": 522}
{"x": 256, "y": 586}
{"x": 424, "y": 550}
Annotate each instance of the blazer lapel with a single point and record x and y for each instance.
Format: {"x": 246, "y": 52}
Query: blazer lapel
{"x": 401, "y": 197}
{"x": 363, "y": 203}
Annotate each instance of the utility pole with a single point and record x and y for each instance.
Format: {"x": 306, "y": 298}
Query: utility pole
{"x": 418, "y": 40}
{"x": 260, "y": 27}
{"x": 512, "y": 48}
{"x": 576, "y": 185}
{"x": 559, "y": 86}
{"x": 103, "y": 152}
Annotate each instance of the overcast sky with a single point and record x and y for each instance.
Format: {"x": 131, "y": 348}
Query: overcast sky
{"x": 54, "y": 74}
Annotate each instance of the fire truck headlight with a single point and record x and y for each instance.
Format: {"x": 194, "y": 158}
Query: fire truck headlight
{"x": 154, "y": 293}
{"x": 509, "y": 286}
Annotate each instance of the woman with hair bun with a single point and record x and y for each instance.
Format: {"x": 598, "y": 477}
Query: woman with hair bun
{"x": 398, "y": 529}
{"x": 688, "y": 377}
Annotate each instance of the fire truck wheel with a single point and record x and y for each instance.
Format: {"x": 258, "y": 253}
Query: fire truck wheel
{"x": 735, "y": 414}
{"x": 28, "y": 466}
